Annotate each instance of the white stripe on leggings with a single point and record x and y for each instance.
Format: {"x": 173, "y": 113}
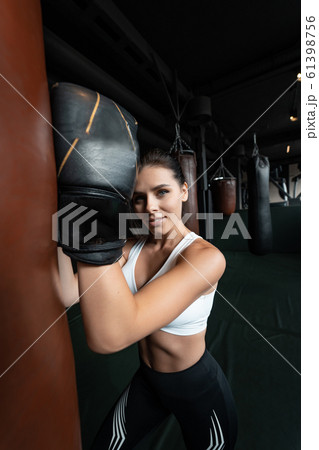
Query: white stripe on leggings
{"x": 119, "y": 430}
{"x": 219, "y": 439}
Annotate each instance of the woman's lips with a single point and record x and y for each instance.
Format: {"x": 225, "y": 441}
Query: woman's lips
{"x": 156, "y": 221}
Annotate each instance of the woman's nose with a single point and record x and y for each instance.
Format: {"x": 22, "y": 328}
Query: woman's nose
{"x": 151, "y": 204}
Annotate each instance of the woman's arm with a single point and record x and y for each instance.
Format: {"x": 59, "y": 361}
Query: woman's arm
{"x": 68, "y": 280}
{"x": 114, "y": 318}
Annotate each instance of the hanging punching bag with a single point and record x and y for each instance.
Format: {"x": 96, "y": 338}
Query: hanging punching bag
{"x": 187, "y": 160}
{"x": 223, "y": 186}
{"x": 224, "y": 195}
{"x": 39, "y": 407}
{"x": 259, "y": 216}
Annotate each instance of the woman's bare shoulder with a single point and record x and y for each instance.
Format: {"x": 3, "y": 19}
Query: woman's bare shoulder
{"x": 201, "y": 244}
{"x": 203, "y": 249}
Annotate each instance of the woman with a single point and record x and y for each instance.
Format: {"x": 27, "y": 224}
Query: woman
{"x": 160, "y": 293}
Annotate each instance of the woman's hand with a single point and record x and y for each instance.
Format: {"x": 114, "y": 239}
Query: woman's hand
{"x": 68, "y": 280}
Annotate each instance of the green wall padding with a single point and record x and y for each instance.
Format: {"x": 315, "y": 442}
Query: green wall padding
{"x": 286, "y": 224}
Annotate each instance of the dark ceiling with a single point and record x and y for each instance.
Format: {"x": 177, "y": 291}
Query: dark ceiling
{"x": 243, "y": 55}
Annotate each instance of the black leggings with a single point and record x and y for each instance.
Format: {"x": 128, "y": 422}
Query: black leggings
{"x": 199, "y": 397}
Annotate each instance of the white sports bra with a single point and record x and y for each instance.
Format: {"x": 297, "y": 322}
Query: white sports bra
{"x": 194, "y": 319}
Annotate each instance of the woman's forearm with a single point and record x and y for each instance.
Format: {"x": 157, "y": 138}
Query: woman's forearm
{"x": 108, "y": 307}
{"x": 114, "y": 318}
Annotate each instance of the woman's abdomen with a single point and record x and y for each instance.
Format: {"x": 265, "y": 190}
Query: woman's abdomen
{"x": 166, "y": 352}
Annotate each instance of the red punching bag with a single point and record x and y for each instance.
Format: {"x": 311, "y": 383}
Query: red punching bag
{"x": 39, "y": 407}
{"x": 223, "y": 186}
{"x": 187, "y": 161}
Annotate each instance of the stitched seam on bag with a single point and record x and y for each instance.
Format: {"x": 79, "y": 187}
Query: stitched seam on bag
{"x": 67, "y": 155}
{"x": 126, "y": 124}
{"x": 93, "y": 114}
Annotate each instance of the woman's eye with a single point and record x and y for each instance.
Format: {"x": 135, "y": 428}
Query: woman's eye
{"x": 162, "y": 192}
{"x": 137, "y": 199}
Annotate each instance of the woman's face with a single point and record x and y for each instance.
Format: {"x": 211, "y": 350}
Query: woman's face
{"x": 158, "y": 198}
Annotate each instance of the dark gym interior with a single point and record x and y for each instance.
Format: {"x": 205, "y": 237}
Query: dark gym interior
{"x": 227, "y": 74}
{"x": 156, "y": 59}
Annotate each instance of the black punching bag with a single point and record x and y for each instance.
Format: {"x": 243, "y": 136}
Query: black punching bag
{"x": 259, "y": 217}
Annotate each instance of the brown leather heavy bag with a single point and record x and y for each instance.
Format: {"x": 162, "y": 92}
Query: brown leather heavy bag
{"x": 224, "y": 195}
{"x": 187, "y": 160}
{"x": 39, "y": 408}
